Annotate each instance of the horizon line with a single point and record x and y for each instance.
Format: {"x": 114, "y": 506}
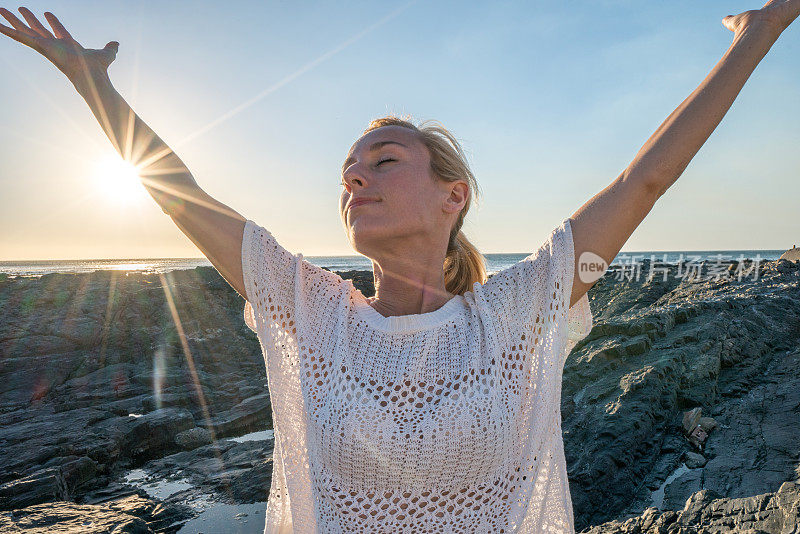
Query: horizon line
{"x": 360, "y": 256}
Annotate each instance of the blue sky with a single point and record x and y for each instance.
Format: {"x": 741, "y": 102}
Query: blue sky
{"x": 551, "y": 101}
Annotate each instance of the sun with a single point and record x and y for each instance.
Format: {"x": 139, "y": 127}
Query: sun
{"x": 118, "y": 181}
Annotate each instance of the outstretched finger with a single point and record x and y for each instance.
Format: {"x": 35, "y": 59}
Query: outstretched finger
{"x": 16, "y": 23}
{"x": 34, "y": 23}
{"x": 11, "y": 32}
{"x": 18, "y": 36}
{"x": 59, "y": 29}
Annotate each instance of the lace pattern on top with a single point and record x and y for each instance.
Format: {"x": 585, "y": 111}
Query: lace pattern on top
{"x": 447, "y": 421}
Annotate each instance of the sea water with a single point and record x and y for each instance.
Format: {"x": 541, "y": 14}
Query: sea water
{"x": 494, "y": 262}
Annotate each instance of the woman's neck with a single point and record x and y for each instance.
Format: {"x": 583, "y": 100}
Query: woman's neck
{"x": 409, "y": 286}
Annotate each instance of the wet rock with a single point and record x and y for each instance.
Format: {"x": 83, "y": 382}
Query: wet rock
{"x": 676, "y": 491}
{"x": 148, "y": 436}
{"x": 133, "y": 514}
{"x": 695, "y": 460}
{"x": 193, "y": 438}
{"x": 770, "y": 513}
{"x": 166, "y": 400}
{"x": 237, "y": 473}
{"x": 158, "y": 516}
{"x": 248, "y": 416}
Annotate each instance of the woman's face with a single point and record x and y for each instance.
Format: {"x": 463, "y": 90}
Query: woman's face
{"x": 391, "y": 169}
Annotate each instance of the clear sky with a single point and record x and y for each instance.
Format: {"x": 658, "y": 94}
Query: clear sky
{"x": 262, "y": 101}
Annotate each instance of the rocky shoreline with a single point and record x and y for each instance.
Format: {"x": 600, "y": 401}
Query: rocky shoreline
{"x": 137, "y": 401}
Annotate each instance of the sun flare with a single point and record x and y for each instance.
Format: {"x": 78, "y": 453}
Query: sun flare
{"x": 119, "y": 181}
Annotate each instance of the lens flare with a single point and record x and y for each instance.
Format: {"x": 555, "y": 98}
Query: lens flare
{"x": 159, "y": 369}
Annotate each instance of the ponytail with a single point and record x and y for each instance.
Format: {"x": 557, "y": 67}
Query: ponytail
{"x": 463, "y": 266}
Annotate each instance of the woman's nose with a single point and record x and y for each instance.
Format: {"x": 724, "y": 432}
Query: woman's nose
{"x": 353, "y": 180}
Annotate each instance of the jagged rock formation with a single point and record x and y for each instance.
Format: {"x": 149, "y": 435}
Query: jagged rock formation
{"x": 658, "y": 348}
{"x": 706, "y": 511}
{"x": 104, "y": 372}
{"x": 793, "y": 254}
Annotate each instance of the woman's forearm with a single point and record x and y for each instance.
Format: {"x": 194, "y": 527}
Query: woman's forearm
{"x": 163, "y": 173}
{"x": 666, "y": 154}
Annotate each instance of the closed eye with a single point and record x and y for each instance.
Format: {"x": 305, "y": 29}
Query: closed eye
{"x": 343, "y": 183}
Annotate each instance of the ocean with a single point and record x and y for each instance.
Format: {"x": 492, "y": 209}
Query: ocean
{"x": 494, "y": 262}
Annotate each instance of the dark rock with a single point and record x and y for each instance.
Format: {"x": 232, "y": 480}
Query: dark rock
{"x": 158, "y": 516}
{"x": 248, "y": 416}
{"x": 364, "y": 281}
{"x": 193, "y": 438}
{"x": 62, "y": 478}
{"x": 80, "y": 352}
{"x": 166, "y": 400}
{"x": 707, "y": 511}
{"x": 714, "y": 346}
{"x": 133, "y": 514}
{"x": 148, "y": 436}
{"x": 694, "y": 460}
{"x": 676, "y": 491}
{"x": 79, "y": 473}
{"x": 40, "y": 486}
{"x": 238, "y": 473}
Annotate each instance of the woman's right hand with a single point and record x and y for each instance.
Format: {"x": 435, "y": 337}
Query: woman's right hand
{"x": 58, "y": 46}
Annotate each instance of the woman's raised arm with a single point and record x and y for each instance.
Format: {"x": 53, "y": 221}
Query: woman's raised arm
{"x": 605, "y": 222}
{"x": 215, "y": 228}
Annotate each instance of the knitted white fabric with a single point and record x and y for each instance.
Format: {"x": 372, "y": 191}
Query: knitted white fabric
{"x": 447, "y": 421}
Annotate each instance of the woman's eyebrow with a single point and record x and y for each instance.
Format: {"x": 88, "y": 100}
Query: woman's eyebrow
{"x": 375, "y": 146}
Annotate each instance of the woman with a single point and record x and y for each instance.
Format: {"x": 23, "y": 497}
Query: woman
{"x": 435, "y": 405}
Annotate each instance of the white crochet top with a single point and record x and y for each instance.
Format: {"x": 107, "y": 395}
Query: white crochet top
{"x": 447, "y": 421}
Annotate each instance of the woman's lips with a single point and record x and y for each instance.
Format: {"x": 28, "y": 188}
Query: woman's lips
{"x": 359, "y": 202}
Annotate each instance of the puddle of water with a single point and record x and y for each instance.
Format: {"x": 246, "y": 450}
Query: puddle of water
{"x": 234, "y": 518}
{"x": 213, "y": 516}
{"x": 158, "y": 488}
{"x": 255, "y": 436}
{"x": 163, "y": 488}
{"x": 137, "y": 415}
{"x": 135, "y": 475}
{"x": 658, "y": 495}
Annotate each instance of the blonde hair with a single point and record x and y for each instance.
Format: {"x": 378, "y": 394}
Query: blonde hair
{"x": 464, "y": 264}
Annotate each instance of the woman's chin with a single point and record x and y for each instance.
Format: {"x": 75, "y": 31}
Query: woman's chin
{"x": 362, "y": 228}
{"x": 363, "y": 238}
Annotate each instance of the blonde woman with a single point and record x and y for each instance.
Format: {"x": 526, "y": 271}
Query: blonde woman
{"x": 433, "y": 406}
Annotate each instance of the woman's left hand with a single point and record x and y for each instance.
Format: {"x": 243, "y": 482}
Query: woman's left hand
{"x": 58, "y": 46}
{"x": 777, "y": 14}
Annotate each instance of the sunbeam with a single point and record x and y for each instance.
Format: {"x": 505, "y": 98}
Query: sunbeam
{"x": 308, "y": 66}
{"x": 41, "y": 94}
{"x": 187, "y": 354}
{"x": 49, "y": 146}
{"x": 179, "y": 194}
{"x": 137, "y": 56}
{"x": 112, "y": 287}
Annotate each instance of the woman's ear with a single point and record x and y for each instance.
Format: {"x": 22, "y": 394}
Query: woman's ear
{"x": 458, "y": 193}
